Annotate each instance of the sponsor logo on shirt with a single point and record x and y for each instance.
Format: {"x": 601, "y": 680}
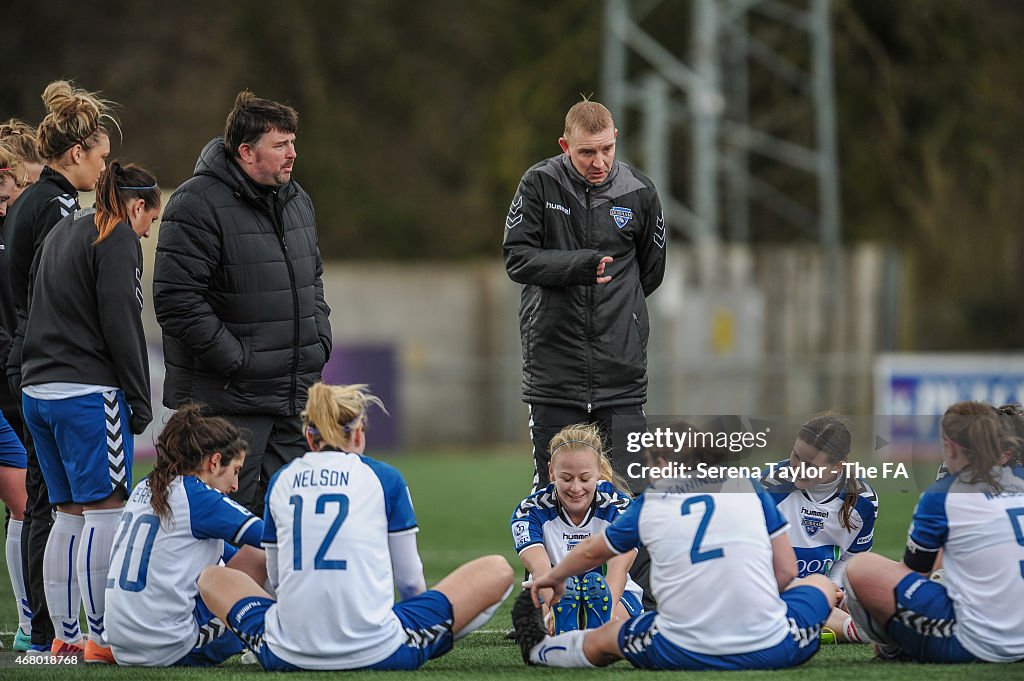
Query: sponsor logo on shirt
{"x": 572, "y": 540}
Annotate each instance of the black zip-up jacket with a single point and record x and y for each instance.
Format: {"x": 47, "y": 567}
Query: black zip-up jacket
{"x": 238, "y": 292}
{"x": 584, "y": 345}
{"x": 28, "y": 222}
{"x": 85, "y": 313}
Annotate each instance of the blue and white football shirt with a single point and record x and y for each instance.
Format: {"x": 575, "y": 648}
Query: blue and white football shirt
{"x": 816, "y": 531}
{"x": 539, "y": 520}
{"x": 329, "y": 514}
{"x": 711, "y": 563}
{"x": 981, "y": 535}
{"x": 151, "y": 587}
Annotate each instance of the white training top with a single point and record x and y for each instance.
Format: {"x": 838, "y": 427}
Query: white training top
{"x": 711, "y": 561}
{"x": 981, "y": 535}
{"x": 151, "y": 587}
{"x": 330, "y": 513}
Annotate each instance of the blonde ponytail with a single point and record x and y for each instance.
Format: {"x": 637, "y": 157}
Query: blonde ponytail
{"x": 334, "y": 412}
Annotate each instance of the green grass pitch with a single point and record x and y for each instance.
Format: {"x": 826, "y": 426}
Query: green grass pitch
{"x": 463, "y": 501}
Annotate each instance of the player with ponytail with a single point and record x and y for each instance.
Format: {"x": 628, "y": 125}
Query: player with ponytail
{"x": 73, "y": 141}
{"x": 975, "y": 516}
{"x": 584, "y": 496}
{"x": 340, "y": 537}
{"x": 831, "y": 515}
{"x": 86, "y": 391}
{"x": 181, "y": 519}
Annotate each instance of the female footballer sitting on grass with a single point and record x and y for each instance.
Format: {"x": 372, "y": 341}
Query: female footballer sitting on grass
{"x": 340, "y": 536}
{"x": 718, "y": 548}
{"x": 178, "y": 521}
{"x": 1013, "y": 458}
{"x": 831, "y": 515}
{"x": 584, "y": 497}
{"x": 975, "y": 516}
{"x": 1012, "y": 421}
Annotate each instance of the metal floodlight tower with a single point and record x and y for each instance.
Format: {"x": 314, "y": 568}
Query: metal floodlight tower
{"x": 710, "y": 93}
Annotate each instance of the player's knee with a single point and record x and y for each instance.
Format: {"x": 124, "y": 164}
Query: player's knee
{"x": 503, "y": 573}
{"x": 860, "y": 568}
{"x": 208, "y": 579}
{"x": 497, "y": 575}
{"x": 823, "y": 584}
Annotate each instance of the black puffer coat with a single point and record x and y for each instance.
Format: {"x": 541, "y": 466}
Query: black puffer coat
{"x": 238, "y": 293}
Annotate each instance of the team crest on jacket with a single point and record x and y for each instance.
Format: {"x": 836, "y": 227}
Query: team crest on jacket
{"x": 621, "y": 215}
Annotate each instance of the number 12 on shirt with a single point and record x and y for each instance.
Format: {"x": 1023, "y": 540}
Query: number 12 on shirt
{"x": 320, "y": 561}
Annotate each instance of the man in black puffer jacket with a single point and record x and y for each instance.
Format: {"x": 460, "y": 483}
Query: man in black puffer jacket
{"x": 237, "y": 289}
{"x": 585, "y": 237}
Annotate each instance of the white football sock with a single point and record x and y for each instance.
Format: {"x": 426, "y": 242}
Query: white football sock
{"x": 17, "y": 572}
{"x": 94, "y": 563}
{"x": 564, "y": 650}
{"x": 60, "y": 583}
{"x": 853, "y": 633}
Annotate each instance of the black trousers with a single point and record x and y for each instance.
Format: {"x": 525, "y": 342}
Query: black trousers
{"x": 545, "y": 422}
{"x": 273, "y": 441}
{"x": 35, "y": 530}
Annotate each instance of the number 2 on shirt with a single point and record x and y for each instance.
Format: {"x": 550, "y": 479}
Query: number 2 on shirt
{"x": 696, "y": 555}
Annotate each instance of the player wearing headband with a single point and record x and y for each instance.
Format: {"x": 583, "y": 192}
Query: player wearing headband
{"x": 85, "y": 385}
{"x": 340, "y": 537}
